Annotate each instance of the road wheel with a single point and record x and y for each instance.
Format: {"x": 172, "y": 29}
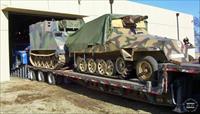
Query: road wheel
{"x": 110, "y": 68}
{"x": 51, "y": 79}
{"x": 82, "y": 64}
{"x": 31, "y": 74}
{"x": 92, "y": 66}
{"x": 51, "y": 63}
{"x": 34, "y": 60}
{"x": 37, "y": 60}
{"x": 46, "y": 62}
{"x": 54, "y": 62}
{"x": 40, "y": 76}
{"x": 40, "y": 61}
{"x": 146, "y": 68}
{"x": 101, "y": 66}
{"x": 43, "y": 62}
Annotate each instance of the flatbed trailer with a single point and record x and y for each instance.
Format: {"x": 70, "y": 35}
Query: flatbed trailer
{"x": 169, "y": 88}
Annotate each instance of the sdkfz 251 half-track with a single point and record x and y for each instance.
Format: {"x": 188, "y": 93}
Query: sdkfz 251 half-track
{"x": 119, "y": 44}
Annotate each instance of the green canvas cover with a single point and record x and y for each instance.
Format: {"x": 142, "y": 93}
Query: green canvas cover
{"x": 92, "y": 33}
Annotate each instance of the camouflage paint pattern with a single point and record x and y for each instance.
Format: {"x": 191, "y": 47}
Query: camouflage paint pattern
{"x": 51, "y": 35}
{"x": 47, "y": 41}
{"x": 122, "y": 39}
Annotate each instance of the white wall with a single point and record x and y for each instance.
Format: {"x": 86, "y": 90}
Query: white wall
{"x": 4, "y": 46}
{"x": 161, "y": 22}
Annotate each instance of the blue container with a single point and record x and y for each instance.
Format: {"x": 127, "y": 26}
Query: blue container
{"x": 23, "y": 57}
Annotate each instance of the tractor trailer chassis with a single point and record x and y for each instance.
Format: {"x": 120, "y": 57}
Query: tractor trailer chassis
{"x": 173, "y": 86}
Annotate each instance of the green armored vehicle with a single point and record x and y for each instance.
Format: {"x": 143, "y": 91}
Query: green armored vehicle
{"x": 47, "y": 40}
{"x": 116, "y": 45}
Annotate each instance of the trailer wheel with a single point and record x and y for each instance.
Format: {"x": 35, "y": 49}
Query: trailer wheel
{"x": 40, "y": 76}
{"x": 18, "y": 72}
{"x": 146, "y": 68}
{"x": 31, "y": 74}
{"x": 51, "y": 79}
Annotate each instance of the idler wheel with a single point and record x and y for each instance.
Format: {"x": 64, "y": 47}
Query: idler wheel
{"x": 110, "y": 68}
{"x": 121, "y": 68}
{"x": 120, "y": 65}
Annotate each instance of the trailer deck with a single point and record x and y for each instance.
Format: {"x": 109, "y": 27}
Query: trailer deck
{"x": 158, "y": 92}
{"x": 133, "y": 88}
{"x": 132, "y": 84}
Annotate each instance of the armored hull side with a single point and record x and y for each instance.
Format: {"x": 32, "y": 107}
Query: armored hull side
{"x": 47, "y": 41}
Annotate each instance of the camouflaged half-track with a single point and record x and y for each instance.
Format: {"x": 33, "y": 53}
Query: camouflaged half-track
{"x": 118, "y": 45}
{"x": 47, "y": 40}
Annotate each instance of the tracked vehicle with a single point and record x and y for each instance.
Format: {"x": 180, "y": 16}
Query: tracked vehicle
{"x": 116, "y": 51}
{"x": 47, "y": 40}
{"x": 118, "y": 45}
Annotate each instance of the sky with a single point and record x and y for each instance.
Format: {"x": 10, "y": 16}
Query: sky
{"x": 186, "y": 6}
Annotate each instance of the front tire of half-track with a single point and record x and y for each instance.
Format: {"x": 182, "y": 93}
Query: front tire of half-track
{"x": 146, "y": 69}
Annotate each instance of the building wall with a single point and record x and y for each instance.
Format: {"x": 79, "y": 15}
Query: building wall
{"x": 4, "y": 46}
{"x": 161, "y": 22}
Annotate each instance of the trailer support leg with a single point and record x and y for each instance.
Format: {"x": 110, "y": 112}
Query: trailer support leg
{"x": 180, "y": 95}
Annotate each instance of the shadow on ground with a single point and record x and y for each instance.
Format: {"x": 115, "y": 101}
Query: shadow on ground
{"x": 117, "y": 100}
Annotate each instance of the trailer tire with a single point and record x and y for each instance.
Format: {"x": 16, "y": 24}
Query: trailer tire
{"x": 21, "y": 72}
{"x": 23, "y": 69}
{"x": 146, "y": 69}
{"x": 15, "y": 73}
{"x": 31, "y": 74}
{"x": 51, "y": 79}
{"x": 18, "y": 72}
{"x": 40, "y": 76}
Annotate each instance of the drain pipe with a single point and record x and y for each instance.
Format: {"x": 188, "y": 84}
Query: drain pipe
{"x": 177, "y": 22}
{"x": 79, "y": 5}
{"x": 111, "y": 8}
